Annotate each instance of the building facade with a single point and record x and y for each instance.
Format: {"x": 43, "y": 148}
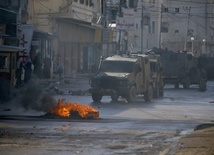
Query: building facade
{"x": 187, "y": 26}
{"x": 175, "y": 25}
{"x": 78, "y": 32}
{"x": 84, "y": 30}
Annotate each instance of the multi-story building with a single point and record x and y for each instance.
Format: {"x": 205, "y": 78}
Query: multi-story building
{"x": 187, "y": 25}
{"x": 82, "y": 29}
{"x": 138, "y": 24}
{"x": 11, "y": 20}
{"x": 15, "y": 31}
{"x": 175, "y": 25}
{"x": 77, "y": 27}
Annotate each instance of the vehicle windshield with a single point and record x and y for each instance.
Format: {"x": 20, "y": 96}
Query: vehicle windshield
{"x": 117, "y": 66}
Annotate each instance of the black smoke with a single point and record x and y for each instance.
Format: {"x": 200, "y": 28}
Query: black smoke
{"x": 31, "y": 96}
{"x": 38, "y": 97}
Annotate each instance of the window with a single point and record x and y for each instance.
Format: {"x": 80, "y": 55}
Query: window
{"x": 154, "y": 66}
{"x": 87, "y": 2}
{"x": 3, "y": 60}
{"x": 132, "y": 3}
{"x": 166, "y": 10}
{"x": 149, "y": 29}
{"x": 91, "y": 3}
{"x": 75, "y": 0}
{"x": 176, "y": 31}
{"x": 153, "y": 26}
{"x": 146, "y": 20}
{"x": 4, "y": 63}
{"x": 117, "y": 66}
{"x": 152, "y": 1}
{"x": 177, "y": 10}
{"x": 164, "y": 27}
{"x": 81, "y": 1}
{"x": 113, "y": 15}
{"x": 4, "y": 3}
{"x": 123, "y": 3}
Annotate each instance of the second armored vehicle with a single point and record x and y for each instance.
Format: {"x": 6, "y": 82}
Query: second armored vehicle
{"x": 183, "y": 68}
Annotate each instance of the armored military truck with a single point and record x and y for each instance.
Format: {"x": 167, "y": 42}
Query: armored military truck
{"x": 209, "y": 62}
{"x": 125, "y": 76}
{"x": 182, "y": 68}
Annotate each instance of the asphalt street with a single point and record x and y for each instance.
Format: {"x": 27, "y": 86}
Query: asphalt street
{"x": 156, "y": 127}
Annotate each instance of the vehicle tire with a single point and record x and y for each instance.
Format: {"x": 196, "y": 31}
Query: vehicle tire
{"x": 97, "y": 97}
{"x": 114, "y": 97}
{"x": 176, "y": 85}
{"x": 149, "y": 94}
{"x": 202, "y": 85}
{"x": 186, "y": 84}
{"x": 156, "y": 92}
{"x": 132, "y": 94}
{"x": 161, "y": 91}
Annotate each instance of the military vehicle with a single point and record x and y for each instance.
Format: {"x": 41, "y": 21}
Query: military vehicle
{"x": 125, "y": 76}
{"x": 157, "y": 75}
{"x": 209, "y": 62}
{"x": 182, "y": 68}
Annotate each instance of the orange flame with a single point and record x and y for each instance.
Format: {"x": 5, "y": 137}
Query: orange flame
{"x": 66, "y": 110}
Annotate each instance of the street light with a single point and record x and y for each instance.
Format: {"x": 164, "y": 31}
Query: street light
{"x": 192, "y": 39}
{"x": 203, "y": 46}
{"x": 204, "y": 40}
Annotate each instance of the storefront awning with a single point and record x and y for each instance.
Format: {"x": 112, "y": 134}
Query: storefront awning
{"x": 5, "y": 48}
{"x": 42, "y": 34}
{"x": 81, "y": 23}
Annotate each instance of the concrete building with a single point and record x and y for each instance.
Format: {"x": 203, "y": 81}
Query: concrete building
{"x": 187, "y": 25}
{"x": 77, "y": 27}
{"x": 147, "y": 26}
{"x": 84, "y": 30}
{"x": 175, "y": 25}
{"x": 138, "y": 24}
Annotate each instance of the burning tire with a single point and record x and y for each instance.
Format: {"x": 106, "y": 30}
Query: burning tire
{"x": 74, "y": 110}
{"x": 97, "y": 97}
{"x": 132, "y": 94}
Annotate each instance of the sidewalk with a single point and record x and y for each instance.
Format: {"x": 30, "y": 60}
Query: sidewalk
{"x": 198, "y": 142}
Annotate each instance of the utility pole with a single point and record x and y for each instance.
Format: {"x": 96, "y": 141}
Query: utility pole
{"x": 206, "y": 23}
{"x": 160, "y": 41}
{"x": 142, "y": 28}
{"x": 187, "y": 27}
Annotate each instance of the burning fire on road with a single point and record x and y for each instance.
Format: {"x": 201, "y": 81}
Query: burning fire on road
{"x": 70, "y": 109}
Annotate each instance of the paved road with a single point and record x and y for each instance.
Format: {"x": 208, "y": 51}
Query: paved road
{"x": 123, "y": 128}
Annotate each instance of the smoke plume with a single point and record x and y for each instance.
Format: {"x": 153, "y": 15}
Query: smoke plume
{"x": 38, "y": 98}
